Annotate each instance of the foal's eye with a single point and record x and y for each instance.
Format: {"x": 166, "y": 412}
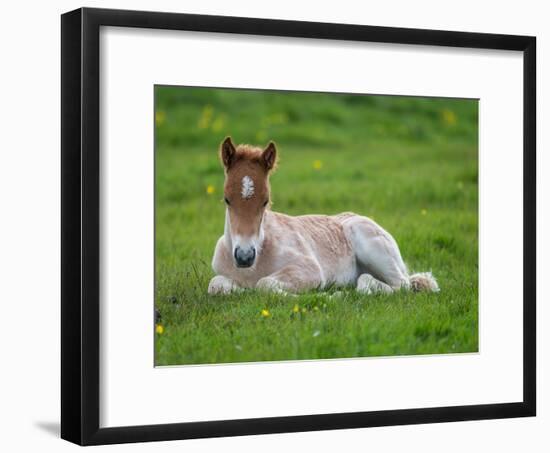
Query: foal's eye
{"x": 265, "y": 203}
{"x": 226, "y": 201}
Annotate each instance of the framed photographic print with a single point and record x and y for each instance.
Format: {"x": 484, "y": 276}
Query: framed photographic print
{"x": 276, "y": 226}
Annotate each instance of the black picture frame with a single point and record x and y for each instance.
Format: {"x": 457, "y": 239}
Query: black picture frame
{"x": 80, "y": 216}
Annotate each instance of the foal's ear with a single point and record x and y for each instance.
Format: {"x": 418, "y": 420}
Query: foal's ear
{"x": 269, "y": 156}
{"x": 227, "y": 152}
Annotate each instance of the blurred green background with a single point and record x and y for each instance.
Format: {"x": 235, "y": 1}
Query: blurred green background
{"x": 410, "y": 163}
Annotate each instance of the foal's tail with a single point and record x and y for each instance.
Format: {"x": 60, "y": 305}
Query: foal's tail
{"x": 424, "y": 281}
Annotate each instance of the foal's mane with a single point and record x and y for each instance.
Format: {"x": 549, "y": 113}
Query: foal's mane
{"x": 252, "y": 154}
{"x": 249, "y": 153}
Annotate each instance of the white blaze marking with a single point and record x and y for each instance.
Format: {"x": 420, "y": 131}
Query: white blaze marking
{"x": 247, "y": 189}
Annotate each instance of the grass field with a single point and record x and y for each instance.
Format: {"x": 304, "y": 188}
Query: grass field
{"x": 409, "y": 163}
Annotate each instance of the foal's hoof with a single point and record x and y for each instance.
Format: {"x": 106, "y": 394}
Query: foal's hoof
{"x": 221, "y": 285}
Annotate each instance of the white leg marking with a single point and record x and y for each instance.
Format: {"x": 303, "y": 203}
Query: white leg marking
{"x": 377, "y": 252}
{"x": 367, "y": 284}
{"x": 222, "y": 285}
{"x": 271, "y": 284}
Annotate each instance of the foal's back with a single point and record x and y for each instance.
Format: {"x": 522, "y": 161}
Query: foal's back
{"x": 322, "y": 237}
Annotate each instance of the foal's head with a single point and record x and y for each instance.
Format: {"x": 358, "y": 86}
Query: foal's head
{"x": 247, "y": 196}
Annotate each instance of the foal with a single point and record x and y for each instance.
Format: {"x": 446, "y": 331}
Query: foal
{"x": 276, "y": 252}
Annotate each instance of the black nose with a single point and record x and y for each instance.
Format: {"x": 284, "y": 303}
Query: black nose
{"x": 245, "y": 257}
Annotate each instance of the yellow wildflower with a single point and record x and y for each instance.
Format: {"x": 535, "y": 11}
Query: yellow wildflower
{"x": 265, "y": 313}
{"x": 296, "y": 309}
{"x": 206, "y": 117}
{"x": 160, "y": 116}
{"x": 218, "y": 124}
{"x": 317, "y": 164}
{"x": 210, "y": 189}
{"x": 159, "y": 329}
{"x": 449, "y": 117}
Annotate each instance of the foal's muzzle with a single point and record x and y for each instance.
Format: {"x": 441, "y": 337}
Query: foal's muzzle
{"x": 245, "y": 257}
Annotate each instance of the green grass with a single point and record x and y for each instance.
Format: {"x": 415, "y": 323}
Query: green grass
{"x": 409, "y": 163}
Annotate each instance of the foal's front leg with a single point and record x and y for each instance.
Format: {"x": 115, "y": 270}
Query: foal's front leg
{"x": 222, "y": 285}
{"x": 292, "y": 279}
